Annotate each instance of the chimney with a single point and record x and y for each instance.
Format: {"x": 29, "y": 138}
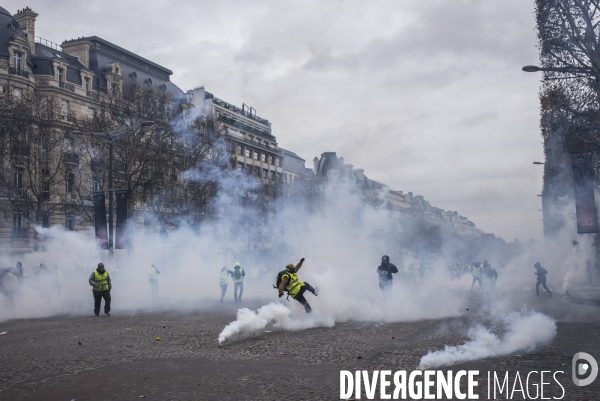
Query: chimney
{"x": 79, "y": 48}
{"x": 315, "y": 164}
{"x": 26, "y": 19}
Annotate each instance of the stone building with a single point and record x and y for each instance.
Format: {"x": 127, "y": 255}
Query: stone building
{"x": 293, "y": 166}
{"x": 250, "y": 136}
{"x": 76, "y": 77}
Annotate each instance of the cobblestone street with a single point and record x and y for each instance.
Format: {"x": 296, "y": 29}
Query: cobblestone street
{"x": 119, "y": 358}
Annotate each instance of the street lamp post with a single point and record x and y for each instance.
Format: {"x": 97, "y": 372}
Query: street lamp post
{"x": 110, "y": 137}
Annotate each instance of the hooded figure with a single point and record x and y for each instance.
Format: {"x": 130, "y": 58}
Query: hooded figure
{"x": 294, "y": 287}
{"x": 101, "y": 286}
{"x": 385, "y": 271}
{"x": 541, "y": 279}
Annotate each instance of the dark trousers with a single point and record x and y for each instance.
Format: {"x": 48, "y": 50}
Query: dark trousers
{"x": 537, "y": 287}
{"x": 154, "y": 288}
{"x": 476, "y": 279}
{"x": 98, "y": 295}
{"x": 238, "y": 287}
{"x": 300, "y": 296}
{"x": 223, "y": 290}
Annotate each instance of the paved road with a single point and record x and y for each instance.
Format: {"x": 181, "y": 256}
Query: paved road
{"x": 118, "y": 357}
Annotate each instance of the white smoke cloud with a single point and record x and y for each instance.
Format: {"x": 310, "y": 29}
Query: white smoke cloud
{"x": 523, "y": 332}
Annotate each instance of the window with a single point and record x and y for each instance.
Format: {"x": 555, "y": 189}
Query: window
{"x": 64, "y": 107}
{"x": 60, "y": 75}
{"x": 285, "y": 177}
{"x": 70, "y": 183}
{"x": 95, "y": 184}
{"x": 238, "y": 150}
{"x": 70, "y": 222}
{"x": 91, "y": 113}
{"x": 18, "y": 177}
{"x": 263, "y": 157}
{"x": 17, "y": 94}
{"x": 247, "y": 153}
{"x": 271, "y": 160}
{"x": 46, "y": 221}
{"x": 17, "y": 61}
{"x": 277, "y": 161}
{"x": 264, "y": 173}
{"x": 44, "y": 148}
{"x": 114, "y": 89}
{"x": 86, "y": 84}
{"x": 255, "y": 155}
{"x": 17, "y": 220}
{"x": 272, "y": 175}
{"x": 45, "y": 189}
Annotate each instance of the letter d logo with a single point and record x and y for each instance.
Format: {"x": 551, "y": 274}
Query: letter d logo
{"x": 584, "y": 368}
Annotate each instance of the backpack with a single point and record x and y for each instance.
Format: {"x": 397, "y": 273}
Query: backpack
{"x": 278, "y": 281}
{"x": 237, "y": 274}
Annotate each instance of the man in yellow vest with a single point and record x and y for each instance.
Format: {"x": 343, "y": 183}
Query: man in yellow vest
{"x": 153, "y": 273}
{"x": 224, "y": 280}
{"x": 238, "y": 282}
{"x": 101, "y": 286}
{"x": 476, "y": 273}
{"x": 295, "y": 287}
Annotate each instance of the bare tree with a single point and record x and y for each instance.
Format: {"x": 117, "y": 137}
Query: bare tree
{"x": 37, "y": 159}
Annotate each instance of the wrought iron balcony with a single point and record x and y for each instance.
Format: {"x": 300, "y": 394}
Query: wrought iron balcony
{"x": 18, "y": 71}
{"x": 92, "y": 94}
{"x": 246, "y": 127}
{"x": 67, "y": 86}
{"x": 20, "y": 232}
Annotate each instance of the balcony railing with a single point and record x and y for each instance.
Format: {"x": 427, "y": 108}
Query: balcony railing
{"x": 67, "y": 86}
{"x": 92, "y": 94}
{"x": 235, "y": 109}
{"x": 246, "y": 127}
{"x": 47, "y": 43}
{"x": 18, "y": 71}
{"x": 20, "y": 232}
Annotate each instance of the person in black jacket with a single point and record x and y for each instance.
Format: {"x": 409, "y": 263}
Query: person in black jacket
{"x": 385, "y": 271}
{"x": 541, "y": 279}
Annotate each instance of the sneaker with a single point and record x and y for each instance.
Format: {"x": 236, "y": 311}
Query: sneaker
{"x": 97, "y": 315}
{"x": 222, "y": 301}
{"x": 107, "y": 314}
{"x": 316, "y": 291}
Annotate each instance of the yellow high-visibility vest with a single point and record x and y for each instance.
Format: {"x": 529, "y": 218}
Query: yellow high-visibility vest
{"x": 152, "y": 273}
{"x": 294, "y": 285}
{"x": 101, "y": 280}
{"x": 224, "y": 277}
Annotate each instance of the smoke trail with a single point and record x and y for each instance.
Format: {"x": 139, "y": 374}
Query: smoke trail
{"x": 524, "y": 332}
{"x": 249, "y": 321}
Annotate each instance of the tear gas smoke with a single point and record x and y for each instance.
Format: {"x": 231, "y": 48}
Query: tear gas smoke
{"x": 523, "y": 331}
{"x": 249, "y": 321}
{"x": 341, "y": 235}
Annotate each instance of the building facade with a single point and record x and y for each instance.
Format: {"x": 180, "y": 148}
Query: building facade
{"x": 250, "y": 136}
{"x": 74, "y": 78}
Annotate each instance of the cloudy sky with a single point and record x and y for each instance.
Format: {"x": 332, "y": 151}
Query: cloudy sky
{"x": 426, "y": 96}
